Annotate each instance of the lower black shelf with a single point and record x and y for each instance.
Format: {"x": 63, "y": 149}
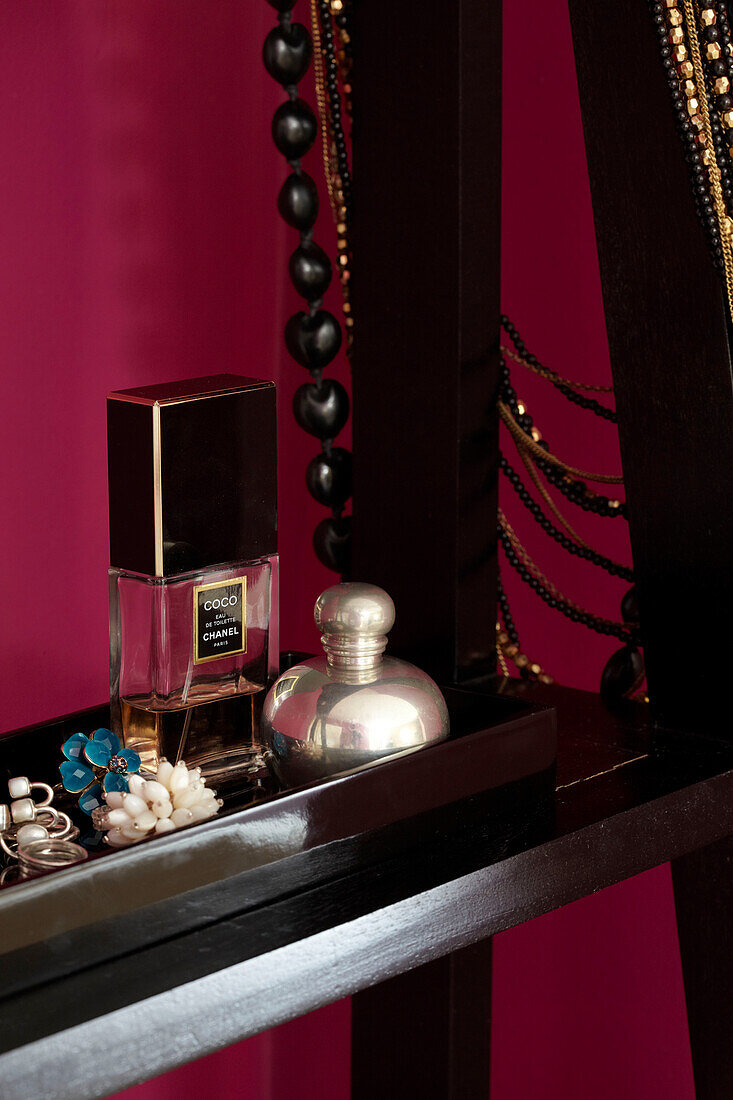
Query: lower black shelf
{"x": 182, "y": 946}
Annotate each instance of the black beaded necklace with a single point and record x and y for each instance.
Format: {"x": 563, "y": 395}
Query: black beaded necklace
{"x": 312, "y": 336}
{"x": 624, "y": 672}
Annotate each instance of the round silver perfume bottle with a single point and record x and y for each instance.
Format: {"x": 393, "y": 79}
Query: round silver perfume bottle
{"x": 354, "y": 706}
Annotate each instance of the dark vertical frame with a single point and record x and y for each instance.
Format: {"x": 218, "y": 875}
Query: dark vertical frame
{"x": 703, "y": 895}
{"x": 426, "y": 231}
{"x": 427, "y": 1032}
{"x": 668, "y": 338}
{"x": 425, "y": 294}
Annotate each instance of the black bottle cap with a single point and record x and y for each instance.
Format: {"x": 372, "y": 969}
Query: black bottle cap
{"x": 192, "y": 474}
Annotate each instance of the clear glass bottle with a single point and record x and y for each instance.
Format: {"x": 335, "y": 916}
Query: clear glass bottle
{"x": 193, "y": 646}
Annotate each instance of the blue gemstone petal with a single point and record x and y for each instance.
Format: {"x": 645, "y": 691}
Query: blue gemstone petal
{"x": 115, "y": 782}
{"x": 75, "y": 777}
{"x": 93, "y": 840}
{"x": 97, "y": 754}
{"x": 74, "y": 747}
{"x": 107, "y": 738}
{"x": 91, "y": 799}
{"x": 132, "y": 758}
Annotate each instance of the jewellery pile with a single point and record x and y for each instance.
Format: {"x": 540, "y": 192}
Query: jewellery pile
{"x": 313, "y": 337}
{"x": 174, "y": 797}
{"x": 39, "y": 837}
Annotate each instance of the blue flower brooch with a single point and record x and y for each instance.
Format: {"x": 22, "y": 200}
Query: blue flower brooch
{"x": 95, "y": 765}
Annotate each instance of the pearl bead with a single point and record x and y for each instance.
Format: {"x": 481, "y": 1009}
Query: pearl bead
{"x": 136, "y": 783}
{"x": 294, "y": 128}
{"x": 23, "y": 810}
{"x": 179, "y": 778}
{"x": 114, "y": 799}
{"x": 287, "y": 53}
{"x": 165, "y": 825}
{"x": 310, "y": 270}
{"x": 133, "y": 804}
{"x": 165, "y": 771}
{"x": 116, "y": 838}
{"x": 19, "y": 787}
{"x": 155, "y": 791}
{"x": 118, "y": 817}
{"x": 185, "y": 799}
{"x": 181, "y": 817}
{"x": 146, "y": 821}
{"x": 297, "y": 201}
{"x": 27, "y": 833}
{"x": 328, "y": 477}
{"x": 202, "y": 811}
{"x": 162, "y": 808}
{"x": 332, "y": 543}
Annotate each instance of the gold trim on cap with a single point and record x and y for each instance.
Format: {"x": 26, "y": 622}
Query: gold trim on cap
{"x": 157, "y": 493}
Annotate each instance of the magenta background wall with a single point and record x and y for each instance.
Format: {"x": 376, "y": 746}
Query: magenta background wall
{"x": 140, "y": 243}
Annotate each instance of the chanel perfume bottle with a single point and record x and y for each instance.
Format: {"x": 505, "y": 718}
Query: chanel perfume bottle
{"x": 193, "y": 581}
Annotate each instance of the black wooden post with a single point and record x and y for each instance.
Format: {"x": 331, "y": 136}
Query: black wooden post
{"x": 425, "y": 294}
{"x": 668, "y": 334}
{"x": 427, "y": 1032}
{"x": 668, "y": 339}
{"x": 427, "y": 122}
{"x": 703, "y": 894}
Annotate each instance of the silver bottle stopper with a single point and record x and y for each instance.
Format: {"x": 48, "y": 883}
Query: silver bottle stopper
{"x": 354, "y": 706}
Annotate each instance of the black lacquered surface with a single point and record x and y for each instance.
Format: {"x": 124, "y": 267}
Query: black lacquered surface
{"x": 370, "y": 903}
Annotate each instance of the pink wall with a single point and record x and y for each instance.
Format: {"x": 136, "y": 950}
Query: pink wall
{"x": 141, "y": 243}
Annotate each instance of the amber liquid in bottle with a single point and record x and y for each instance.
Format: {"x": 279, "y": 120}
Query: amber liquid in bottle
{"x": 191, "y": 658}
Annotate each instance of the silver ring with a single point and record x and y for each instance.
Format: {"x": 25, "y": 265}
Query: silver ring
{"x": 12, "y": 852}
{"x": 50, "y": 855}
{"x": 67, "y": 829}
{"x": 21, "y": 787}
{"x": 49, "y": 817}
{"x": 24, "y": 835}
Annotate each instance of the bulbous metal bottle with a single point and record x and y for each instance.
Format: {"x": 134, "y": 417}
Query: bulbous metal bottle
{"x": 354, "y": 706}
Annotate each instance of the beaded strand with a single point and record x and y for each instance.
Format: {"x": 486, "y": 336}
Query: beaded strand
{"x": 563, "y": 385}
{"x": 624, "y": 671}
{"x": 333, "y": 91}
{"x": 312, "y": 336}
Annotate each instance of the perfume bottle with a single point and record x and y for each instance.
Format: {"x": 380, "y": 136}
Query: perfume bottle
{"x": 193, "y": 578}
{"x": 353, "y": 706}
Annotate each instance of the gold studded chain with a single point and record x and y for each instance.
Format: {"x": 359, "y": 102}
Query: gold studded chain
{"x": 698, "y": 90}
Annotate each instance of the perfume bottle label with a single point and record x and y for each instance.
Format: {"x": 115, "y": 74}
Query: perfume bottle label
{"x": 219, "y": 619}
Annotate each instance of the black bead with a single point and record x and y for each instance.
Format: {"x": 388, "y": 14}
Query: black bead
{"x": 332, "y": 543}
{"x": 321, "y": 410}
{"x": 298, "y": 201}
{"x": 328, "y": 477}
{"x": 310, "y": 270}
{"x": 623, "y": 673}
{"x": 711, "y": 34}
{"x": 719, "y": 68}
{"x": 294, "y": 128}
{"x": 287, "y": 53}
{"x": 724, "y": 102}
{"x": 313, "y": 341}
{"x": 630, "y": 606}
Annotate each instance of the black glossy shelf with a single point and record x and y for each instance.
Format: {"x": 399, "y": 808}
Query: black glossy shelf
{"x": 191, "y": 942}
